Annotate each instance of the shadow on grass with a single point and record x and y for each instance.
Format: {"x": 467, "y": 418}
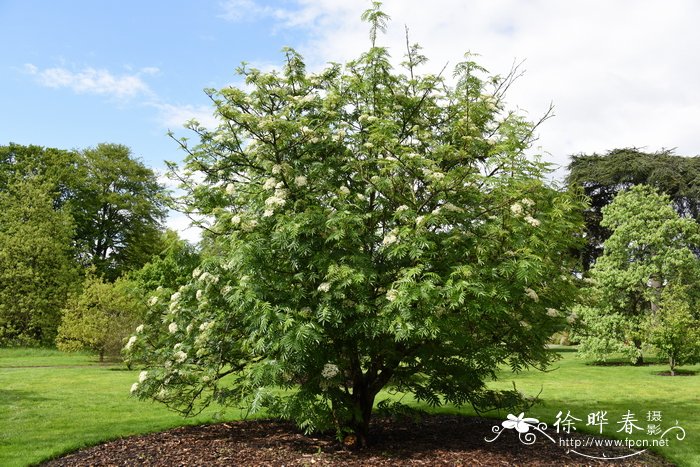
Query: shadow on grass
{"x": 10, "y": 396}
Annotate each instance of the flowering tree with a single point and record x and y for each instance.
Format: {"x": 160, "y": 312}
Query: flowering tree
{"x": 651, "y": 248}
{"x": 370, "y": 228}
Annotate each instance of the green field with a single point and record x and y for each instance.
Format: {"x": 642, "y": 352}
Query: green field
{"x": 52, "y": 403}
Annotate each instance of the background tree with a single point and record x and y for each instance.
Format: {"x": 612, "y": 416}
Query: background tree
{"x": 116, "y": 202}
{"x": 118, "y": 209}
{"x": 372, "y": 227}
{"x": 56, "y": 168}
{"x": 169, "y": 269}
{"x": 604, "y": 176}
{"x": 100, "y": 317}
{"x": 36, "y": 263}
{"x": 674, "y": 329}
{"x": 651, "y": 247}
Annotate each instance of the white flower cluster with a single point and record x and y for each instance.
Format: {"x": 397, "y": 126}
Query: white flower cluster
{"x": 139, "y": 329}
{"x": 553, "y": 312}
{"x": 324, "y": 287}
{"x": 180, "y": 356}
{"x": 329, "y": 371}
{"x": 344, "y": 190}
{"x": 300, "y": 180}
{"x": 518, "y": 210}
{"x": 199, "y": 294}
{"x": 142, "y": 376}
{"x": 532, "y": 221}
{"x": 209, "y": 278}
{"x": 130, "y": 343}
{"x": 270, "y": 183}
{"x": 230, "y": 189}
{"x": 391, "y": 295}
{"x": 390, "y": 238}
{"x": 532, "y": 294}
{"x": 172, "y": 328}
{"x": 153, "y": 300}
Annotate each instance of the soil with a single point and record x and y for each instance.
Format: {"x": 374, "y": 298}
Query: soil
{"x": 437, "y": 440}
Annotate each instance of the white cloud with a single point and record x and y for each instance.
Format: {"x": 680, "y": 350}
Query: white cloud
{"x": 243, "y": 10}
{"x": 92, "y": 81}
{"x": 175, "y": 116}
{"x": 619, "y": 74}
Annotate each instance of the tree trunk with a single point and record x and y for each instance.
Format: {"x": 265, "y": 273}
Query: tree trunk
{"x": 102, "y": 356}
{"x": 362, "y": 413}
{"x": 672, "y": 364}
{"x": 640, "y": 358}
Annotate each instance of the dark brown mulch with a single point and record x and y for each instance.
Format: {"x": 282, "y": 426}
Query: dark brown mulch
{"x": 436, "y": 440}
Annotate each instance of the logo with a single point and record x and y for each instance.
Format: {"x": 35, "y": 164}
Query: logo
{"x": 639, "y": 434}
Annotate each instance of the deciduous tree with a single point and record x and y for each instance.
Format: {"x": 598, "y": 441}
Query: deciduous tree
{"x": 651, "y": 247}
{"x": 372, "y": 228}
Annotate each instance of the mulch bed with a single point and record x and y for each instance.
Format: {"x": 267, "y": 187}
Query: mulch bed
{"x": 435, "y": 440}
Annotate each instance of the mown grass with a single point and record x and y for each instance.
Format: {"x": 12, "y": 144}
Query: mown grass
{"x": 579, "y": 387}
{"x": 52, "y": 403}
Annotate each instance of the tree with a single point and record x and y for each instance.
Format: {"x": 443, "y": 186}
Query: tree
{"x": 56, "y": 168}
{"x": 602, "y": 177}
{"x": 36, "y": 266}
{"x": 100, "y": 317}
{"x": 116, "y": 202}
{"x": 371, "y": 228}
{"x": 118, "y": 208}
{"x": 651, "y": 247}
{"x": 674, "y": 329}
{"x": 170, "y": 268}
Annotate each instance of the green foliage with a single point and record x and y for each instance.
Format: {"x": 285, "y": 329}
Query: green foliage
{"x": 169, "y": 269}
{"x": 650, "y": 248}
{"x": 118, "y": 208}
{"x": 602, "y": 177}
{"x": 36, "y": 267}
{"x": 115, "y": 201}
{"x": 370, "y": 228}
{"x": 100, "y": 318}
{"x": 56, "y": 168}
{"x": 675, "y": 328}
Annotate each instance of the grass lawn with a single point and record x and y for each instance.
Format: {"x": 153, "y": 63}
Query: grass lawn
{"x": 51, "y": 402}
{"x": 581, "y": 388}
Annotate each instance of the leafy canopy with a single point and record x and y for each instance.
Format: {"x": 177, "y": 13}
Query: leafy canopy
{"x": 651, "y": 247}
{"x": 602, "y": 177}
{"x": 37, "y": 270}
{"x": 100, "y": 317}
{"x": 370, "y": 227}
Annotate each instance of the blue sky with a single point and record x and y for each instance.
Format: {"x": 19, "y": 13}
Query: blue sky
{"x": 77, "y": 73}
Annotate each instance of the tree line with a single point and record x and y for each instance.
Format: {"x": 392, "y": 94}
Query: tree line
{"x": 68, "y": 220}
